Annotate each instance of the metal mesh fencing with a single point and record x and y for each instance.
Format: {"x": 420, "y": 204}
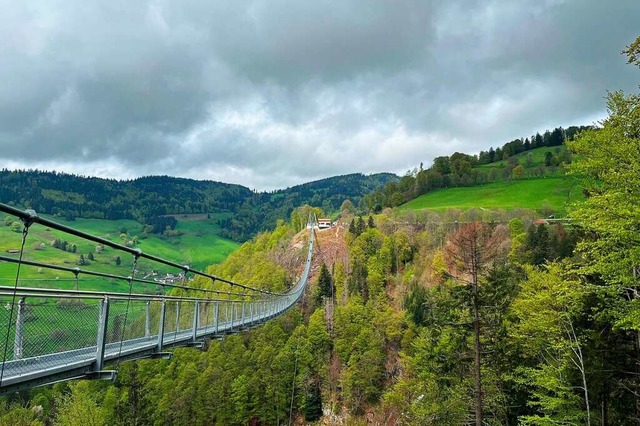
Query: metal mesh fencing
{"x": 47, "y": 332}
{"x": 207, "y": 312}
{"x": 133, "y": 320}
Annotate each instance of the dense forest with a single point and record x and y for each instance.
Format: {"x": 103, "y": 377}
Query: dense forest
{"x": 419, "y": 318}
{"x": 265, "y": 209}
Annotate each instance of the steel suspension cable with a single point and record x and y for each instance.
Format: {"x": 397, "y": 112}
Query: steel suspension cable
{"x": 120, "y": 277}
{"x": 126, "y": 312}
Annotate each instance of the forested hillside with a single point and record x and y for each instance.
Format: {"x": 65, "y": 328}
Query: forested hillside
{"x": 264, "y": 210}
{"x": 147, "y": 198}
{"x": 526, "y": 158}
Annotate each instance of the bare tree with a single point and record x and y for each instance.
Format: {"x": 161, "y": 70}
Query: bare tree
{"x": 469, "y": 250}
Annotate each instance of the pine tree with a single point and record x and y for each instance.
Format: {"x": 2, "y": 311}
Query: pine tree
{"x": 325, "y": 284}
{"x": 352, "y": 227}
{"x": 313, "y": 403}
{"x": 361, "y": 226}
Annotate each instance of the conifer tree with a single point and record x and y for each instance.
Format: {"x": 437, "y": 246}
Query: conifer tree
{"x": 313, "y": 403}
{"x": 370, "y": 222}
{"x": 325, "y": 284}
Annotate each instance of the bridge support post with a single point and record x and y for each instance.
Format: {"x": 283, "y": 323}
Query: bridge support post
{"x": 19, "y": 335}
{"x": 102, "y": 333}
{"x": 242, "y": 321}
{"x": 251, "y": 311}
{"x": 177, "y": 317}
{"x": 147, "y": 319}
{"x": 210, "y": 310}
{"x": 232, "y": 315}
{"x": 216, "y": 316}
{"x": 196, "y": 320}
{"x": 161, "y": 328}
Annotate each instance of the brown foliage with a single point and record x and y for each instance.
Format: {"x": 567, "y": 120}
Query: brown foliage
{"x": 470, "y": 249}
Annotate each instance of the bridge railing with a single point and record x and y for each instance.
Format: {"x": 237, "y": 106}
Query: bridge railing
{"x": 47, "y": 334}
{"x": 54, "y": 336}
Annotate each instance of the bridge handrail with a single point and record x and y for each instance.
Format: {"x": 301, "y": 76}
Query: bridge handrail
{"x": 77, "y": 271}
{"x": 97, "y": 295}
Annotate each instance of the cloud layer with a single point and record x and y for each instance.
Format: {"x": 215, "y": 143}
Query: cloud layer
{"x": 272, "y": 93}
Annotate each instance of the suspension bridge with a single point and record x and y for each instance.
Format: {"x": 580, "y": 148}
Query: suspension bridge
{"x": 49, "y": 335}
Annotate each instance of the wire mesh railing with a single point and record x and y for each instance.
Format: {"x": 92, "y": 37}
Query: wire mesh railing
{"x": 52, "y": 334}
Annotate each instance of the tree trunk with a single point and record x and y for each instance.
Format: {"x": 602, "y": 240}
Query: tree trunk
{"x": 478, "y": 349}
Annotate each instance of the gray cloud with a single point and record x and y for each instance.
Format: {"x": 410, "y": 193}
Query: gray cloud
{"x": 274, "y": 93}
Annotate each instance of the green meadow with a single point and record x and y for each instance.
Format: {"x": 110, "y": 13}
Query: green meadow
{"x": 197, "y": 244}
{"x": 550, "y": 193}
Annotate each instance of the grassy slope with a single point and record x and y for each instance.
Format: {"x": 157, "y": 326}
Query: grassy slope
{"x": 199, "y": 246}
{"x": 537, "y": 157}
{"x": 536, "y": 194}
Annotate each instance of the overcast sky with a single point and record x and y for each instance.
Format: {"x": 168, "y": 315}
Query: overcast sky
{"x": 271, "y": 93}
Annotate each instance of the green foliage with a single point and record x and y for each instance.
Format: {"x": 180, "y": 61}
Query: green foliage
{"x": 347, "y": 207}
{"x": 79, "y": 408}
{"x": 362, "y": 379}
{"x": 300, "y": 216}
{"x": 252, "y": 265}
{"x": 313, "y": 403}
{"x": 611, "y": 213}
{"x": 17, "y": 415}
{"x": 436, "y": 388}
{"x": 415, "y": 305}
{"x": 518, "y": 172}
{"x": 16, "y": 227}
{"x": 546, "y": 313}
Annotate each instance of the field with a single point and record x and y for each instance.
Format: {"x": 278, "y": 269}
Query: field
{"x": 552, "y": 194}
{"x": 197, "y": 244}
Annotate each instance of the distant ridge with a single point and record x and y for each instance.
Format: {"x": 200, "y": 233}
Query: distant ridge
{"x": 71, "y": 196}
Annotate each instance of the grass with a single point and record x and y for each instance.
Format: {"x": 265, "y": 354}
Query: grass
{"x": 198, "y": 246}
{"x": 551, "y": 193}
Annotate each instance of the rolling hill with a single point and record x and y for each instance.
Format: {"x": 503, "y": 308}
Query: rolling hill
{"x": 550, "y": 194}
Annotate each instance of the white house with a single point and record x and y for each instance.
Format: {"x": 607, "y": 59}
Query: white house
{"x": 324, "y": 223}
